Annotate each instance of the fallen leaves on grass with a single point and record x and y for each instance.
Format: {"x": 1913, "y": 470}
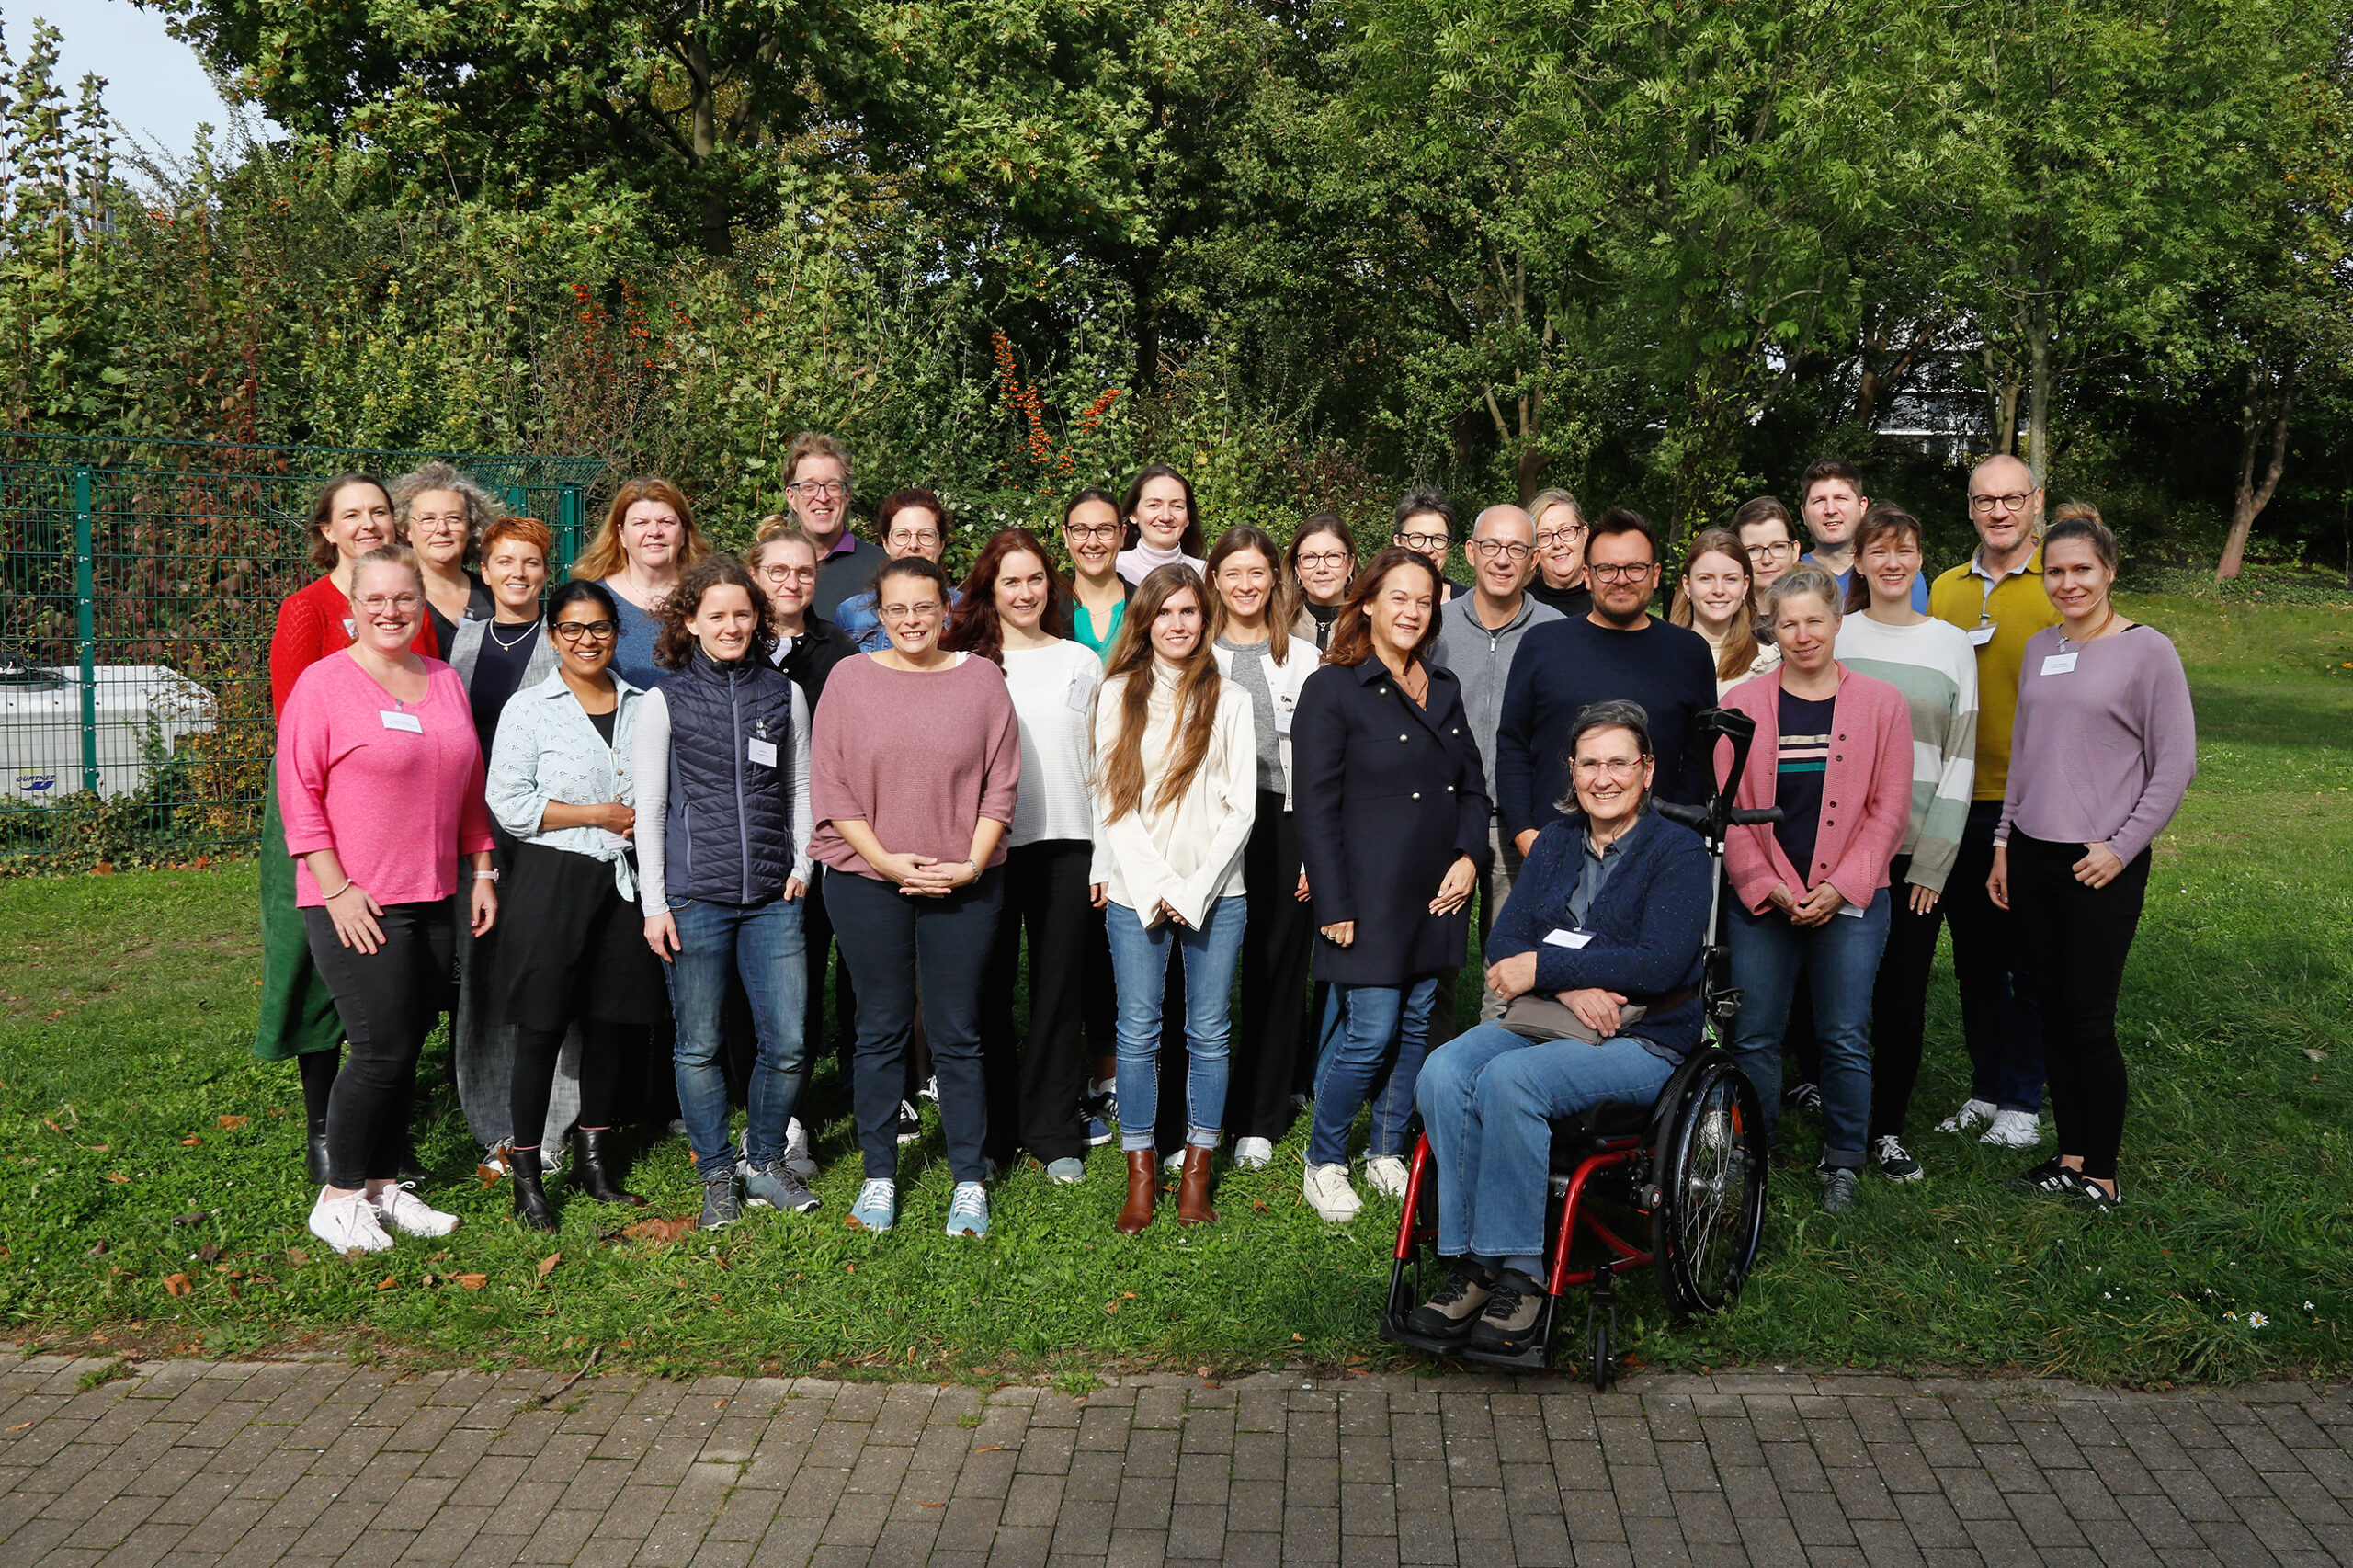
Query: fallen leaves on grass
{"x": 117, "y": 1175}
{"x": 471, "y": 1281}
{"x": 546, "y": 1263}
{"x": 296, "y": 1256}
{"x": 387, "y": 1282}
{"x": 660, "y": 1232}
{"x": 193, "y": 1217}
{"x": 178, "y": 1284}
{"x": 231, "y": 1123}
{"x": 2315, "y": 1053}
{"x": 191, "y": 1142}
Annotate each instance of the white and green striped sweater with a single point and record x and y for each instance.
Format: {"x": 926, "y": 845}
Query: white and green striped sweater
{"x": 1936, "y": 669}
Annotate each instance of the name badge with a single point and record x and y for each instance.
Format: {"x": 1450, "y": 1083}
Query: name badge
{"x": 1567, "y": 939}
{"x": 409, "y": 722}
{"x": 1282, "y": 721}
{"x": 1981, "y": 635}
{"x": 1857, "y": 910}
{"x": 1081, "y": 689}
{"x": 2057, "y": 664}
{"x": 764, "y": 753}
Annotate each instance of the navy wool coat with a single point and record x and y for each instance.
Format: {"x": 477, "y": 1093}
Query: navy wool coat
{"x": 1386, "y": 795}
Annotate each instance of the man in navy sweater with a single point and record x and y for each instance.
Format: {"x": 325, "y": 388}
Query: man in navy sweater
{"x": 1616, "y": 653}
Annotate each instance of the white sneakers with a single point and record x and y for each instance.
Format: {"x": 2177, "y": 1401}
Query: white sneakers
{"x": 347, "y": 1224}
{"x": 1970, "y": 1113}
{"x": 400, "y": 1209}
{"x": 1385, "y": 1174}
{"x": 1329, "y": 1194}
{"x": 1252, "y": 1153}
{"x": 2013, "y": 1130}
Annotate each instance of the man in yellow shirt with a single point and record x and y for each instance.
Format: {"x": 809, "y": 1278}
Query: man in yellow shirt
{"x": 1996, "y": 597}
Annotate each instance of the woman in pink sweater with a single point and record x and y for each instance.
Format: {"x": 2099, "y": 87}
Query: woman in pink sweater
{"x": 379, "y": 778}
{"x": 1834, "y": 752}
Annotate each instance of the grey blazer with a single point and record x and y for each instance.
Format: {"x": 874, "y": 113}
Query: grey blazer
{"x": 465, "y": 652}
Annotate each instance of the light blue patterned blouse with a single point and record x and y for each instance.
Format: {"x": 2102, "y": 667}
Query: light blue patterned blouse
{"x": 548, "y": 750}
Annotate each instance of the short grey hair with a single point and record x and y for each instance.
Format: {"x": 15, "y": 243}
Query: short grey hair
{"x": 1805, "y": 578}
{"x": 1618, "y": 714}
{"x": 482, "y": 507}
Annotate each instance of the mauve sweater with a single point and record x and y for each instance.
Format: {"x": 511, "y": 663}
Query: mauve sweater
{"x": 2104, "y": 752}
{"x": 919, "y": 758}
{"x": 397, "y": 806}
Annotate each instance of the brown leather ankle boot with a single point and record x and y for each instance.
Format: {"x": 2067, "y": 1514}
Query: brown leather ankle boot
{"x": 1193, "y": 1188}
{"x": 1144, "y": 1190}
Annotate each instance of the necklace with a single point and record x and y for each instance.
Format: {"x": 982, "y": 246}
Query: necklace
{"x": 504, "y": 645}
{"x": 2096, "y": 630}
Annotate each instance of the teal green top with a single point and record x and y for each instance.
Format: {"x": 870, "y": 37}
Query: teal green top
{"x": 1082, "y": 627}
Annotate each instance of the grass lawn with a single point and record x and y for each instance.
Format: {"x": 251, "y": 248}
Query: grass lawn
{"x": 151, "y": 1191}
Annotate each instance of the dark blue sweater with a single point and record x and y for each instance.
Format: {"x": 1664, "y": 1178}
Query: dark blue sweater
{"x": 1648, "y": 923}
{"x": 1562, "y": 666}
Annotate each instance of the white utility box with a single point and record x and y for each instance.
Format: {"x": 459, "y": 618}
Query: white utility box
{"x": 41, "y": 727}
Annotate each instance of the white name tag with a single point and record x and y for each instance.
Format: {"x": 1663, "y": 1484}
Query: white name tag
{"x": 1081, "y": 689}
{"x": 408, "y": 722}
{"x": 350, "y": 627}
{"x": 1857, "y": 910}
{"x": 2057, "y": 664}
{"x": 1981, "y": 635}
{"x": 1282, "y": 721}
{"x": 764, "y": 753}
{"x": 1567, "y": 939}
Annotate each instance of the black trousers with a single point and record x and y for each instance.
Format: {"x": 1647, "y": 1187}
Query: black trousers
{"x": 388, "y": 1000}
{"x": 1037, "y": 1077}
{"x": 574, "y": 949}
{"x": 2080, "y": 938}
{"x": 1900, "y": 1003}
{"x": 604, "y": 1044}
{"x": 1275, "y": 960}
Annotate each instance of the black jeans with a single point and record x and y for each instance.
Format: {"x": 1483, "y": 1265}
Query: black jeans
{"x": 2080, "y": 938}
{"x": 1900, "y": 1002}
{"x": 893, "y": 943}
{"x": 2000, "y": 1019}
{"x": 1036, "y": 1080}
{"x": 603, "y": 1045}
{"x": 388, "y": 1000}
{"x": 1273, "y": 978}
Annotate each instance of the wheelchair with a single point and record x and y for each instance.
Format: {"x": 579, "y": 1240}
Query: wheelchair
{"x": 1675, "y": 1186}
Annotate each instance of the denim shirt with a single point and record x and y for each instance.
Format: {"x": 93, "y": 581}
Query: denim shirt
{"x": 547, "y": 750}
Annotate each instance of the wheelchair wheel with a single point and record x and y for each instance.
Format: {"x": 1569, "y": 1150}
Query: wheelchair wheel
{"x": 1711, "y": 1203}
{"x": 1598, "y": 1364}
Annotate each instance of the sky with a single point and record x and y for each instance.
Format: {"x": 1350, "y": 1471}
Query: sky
{"x": 157, "y": 88}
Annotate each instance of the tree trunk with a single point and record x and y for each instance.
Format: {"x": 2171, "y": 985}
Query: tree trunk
{"x": 2002, "y": 401}
{"x": 718, "y": 232}
{"x": 1143, "y": 283}
{"x": 1533, "y": 461}
{"x": 2253, "y": 496}
{"x": 2038, "y": 387}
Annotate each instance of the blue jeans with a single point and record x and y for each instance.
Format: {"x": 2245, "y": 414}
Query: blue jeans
{"x": 1488, "y": 1100}
{"x": 1140, "y": 968}
{"x": 1369, "y": 1031}
{"x": 1840, "y": 957}
{"x": 763, "y": 943}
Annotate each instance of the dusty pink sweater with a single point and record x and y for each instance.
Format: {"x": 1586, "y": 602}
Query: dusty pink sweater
{"x": 398, "y": 807}
{"x": 919, "y": 758}
{"x": 1866, "y": 792}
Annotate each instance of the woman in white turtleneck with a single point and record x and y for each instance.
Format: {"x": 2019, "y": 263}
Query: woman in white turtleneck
{"x": 1168, "y": 527}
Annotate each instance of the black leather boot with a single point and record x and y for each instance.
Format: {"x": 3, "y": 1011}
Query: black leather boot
{"x": 591, "y": 1172}
{"x": 318, "y": 1158}
{"x": 532, "y": 1209}
{"x": 409, "y": 1168}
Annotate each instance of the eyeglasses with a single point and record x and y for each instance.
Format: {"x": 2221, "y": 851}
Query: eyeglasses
{"x": 808, "y": 488}
{"x": 1510, "y": 549}
{"x": 585, "y": 630}
{"x": 1606, "y": 767}
{"x": 1552, "y": 536}
{"x": 2014, "y": 502}
{"x": 1633, "y": 572}
{"x": 1323, "y": 561}
{"x": 1099, "y": 531}
{"x": 916, "y": 539}
{"x": 787, "y": 573}
{"x": 425, "y": 523}
{"x": 909, "y": 612}
{"x": 375, "y": 604}
{"x": 1781, "y": 549}
{"x": 1424, "y": 542}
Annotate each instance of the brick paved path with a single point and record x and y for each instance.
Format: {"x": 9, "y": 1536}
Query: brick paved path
{"x": 240, "y": 1464}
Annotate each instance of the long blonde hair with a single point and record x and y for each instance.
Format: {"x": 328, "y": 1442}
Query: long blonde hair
{"x": 1740, "y": 639}
{"x": 1120, "y": 791}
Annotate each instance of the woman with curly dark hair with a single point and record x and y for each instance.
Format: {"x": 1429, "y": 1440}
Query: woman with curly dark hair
{"x": 721, "y": 764}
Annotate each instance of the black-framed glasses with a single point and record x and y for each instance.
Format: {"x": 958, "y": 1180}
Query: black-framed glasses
{"x": 1510, "y": 549}
{"x": 1781, "y": 549}
{"x": 1097, "y": 530}
{"x": 585, "y": 630}
{"x": 1550, "y": 537}
{"x": 1322, "y": 560}
{"x": 2014, "y": 502}
{"x": 1631, "y": 572}
{"x": 828, "y": 487}
{"x": 1424, "y": 542}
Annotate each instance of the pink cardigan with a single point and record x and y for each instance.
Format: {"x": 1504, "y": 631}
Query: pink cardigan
{"x": 1866, "y": 792}
{"x": 397, "y": 805}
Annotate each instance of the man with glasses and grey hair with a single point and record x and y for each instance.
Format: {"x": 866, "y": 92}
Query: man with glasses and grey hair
{"x": 1478, "y": 634}
{"x": 1996, "y": 597}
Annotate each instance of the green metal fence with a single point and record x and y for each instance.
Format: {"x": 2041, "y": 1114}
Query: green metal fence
{"x": 139, "y": 584}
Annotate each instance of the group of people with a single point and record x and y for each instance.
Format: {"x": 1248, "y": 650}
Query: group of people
{"x": 675, "y": 803}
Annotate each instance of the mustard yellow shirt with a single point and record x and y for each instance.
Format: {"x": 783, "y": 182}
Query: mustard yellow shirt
{"x": 2015, "y": 606}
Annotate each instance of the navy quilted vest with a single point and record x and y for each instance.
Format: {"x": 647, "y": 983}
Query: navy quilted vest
{"x": 729, "y": 833}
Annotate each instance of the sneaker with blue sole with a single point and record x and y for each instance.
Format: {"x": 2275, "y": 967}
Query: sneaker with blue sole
{"x": 778, "y": 1187}
{"x": 968, "y": 1209}
{"x": 877, "y": 1208}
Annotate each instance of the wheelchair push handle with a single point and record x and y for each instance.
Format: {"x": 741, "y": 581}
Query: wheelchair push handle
{"x": 1711, "y": 820}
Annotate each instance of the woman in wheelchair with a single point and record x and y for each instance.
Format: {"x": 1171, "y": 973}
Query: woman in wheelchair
{"x": 1598, "y": 953}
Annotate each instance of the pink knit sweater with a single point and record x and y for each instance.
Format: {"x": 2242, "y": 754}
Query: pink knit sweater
{"x": 919, "y": 758}
{"x": 1866, "y": 792}
{"x": 398, "y": 806}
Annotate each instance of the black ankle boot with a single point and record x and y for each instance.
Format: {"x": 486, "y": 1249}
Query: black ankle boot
{"x": 592, "y": 1175}
{"x": 409, "y": 1168}
{"x": 318, "y": 1158}
{"x": 532, "y": 1209}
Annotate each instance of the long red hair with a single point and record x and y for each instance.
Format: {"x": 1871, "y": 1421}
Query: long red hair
{"x": 974, "y": 627}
